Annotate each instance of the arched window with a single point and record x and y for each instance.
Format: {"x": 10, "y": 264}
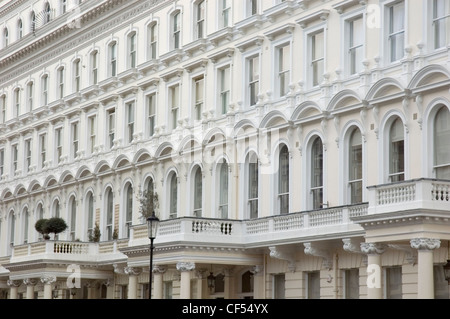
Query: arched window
{"x": 47, "y": 13}
{"x": 442, "y": 143}
{"x": 26, "y": 221}
{"x": 76, "y": 75}
{"x": 132, "y": 49}
{"x": 253, "y": 185}
{"x": 44, "y": 90}
{"x": 355, "y": 167}
{"x": 223, "y": 190}
{"x": 73, "y": 218}
{"x": 17, "y": 102}
{"x": 109, "y": 214}
{"x": 112, "y": 59}
{"x": 90, "y": 215}
{"x": 56, "y": 209}
{"x": 30, "y": 92}
{"x": 176, "y": 30}
{"x": 397, "y": 151}
{"x": 5, "y": 37}
{"x": 283, "y": 180}
{"x": 32, "y": 21}
{"x": 12, "y": 227}
{"x": 317, "y": 173}
{"x": 61, "y": 82}
{"x": 152, "y": 33}
{"x": 94, "y": 67}
{"x": 173, "y": 196}
{"x": 128, "y": 209}
{"x": 19, "y": 29}
{"x": 198, "y": 184}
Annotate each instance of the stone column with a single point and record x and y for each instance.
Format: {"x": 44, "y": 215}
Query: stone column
{"x": 258, "y": 282}
{"x": 373, "y": 251}
{"x": 228, "y": 283}
{"x": 185, "y": 285}
{"x": 202, "y": 286}
{"x": 30, "y": 283}
{"x": 14, "y": 288}
{"x": 425, "y": 265}
{"x": 47, "y": 281}
{"x": 158, "y": 273}
{"x": 133, "y": 274}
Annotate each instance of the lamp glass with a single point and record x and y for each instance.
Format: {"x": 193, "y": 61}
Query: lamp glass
{"x": 152, "y": 224}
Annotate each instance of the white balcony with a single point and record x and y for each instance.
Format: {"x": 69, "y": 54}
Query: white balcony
{"x": 426, "y": 195}
{"x": 296, "y": 227}
{"x": 65, "y": 251}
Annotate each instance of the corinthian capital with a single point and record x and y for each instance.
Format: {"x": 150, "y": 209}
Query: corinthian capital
{"x": 372, "y": 248}
{"x": 185, "y": 266}
{"x": 425, "y": 243}
{"x": 134, "y": 271}
{"x": 47, "y": 280}
{"x": 14, "y": 283}
{"x": 30, "y": 281}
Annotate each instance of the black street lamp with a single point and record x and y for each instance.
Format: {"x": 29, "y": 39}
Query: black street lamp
{"x": 152, "y": 224}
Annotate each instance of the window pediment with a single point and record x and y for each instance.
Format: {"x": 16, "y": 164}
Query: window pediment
{"x": 318, "y": 16}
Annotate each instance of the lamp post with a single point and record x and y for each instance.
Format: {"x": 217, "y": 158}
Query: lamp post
{"x": 152, "y": 224}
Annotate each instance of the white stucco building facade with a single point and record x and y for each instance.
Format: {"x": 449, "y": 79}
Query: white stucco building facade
{"x": 299, "y": 148}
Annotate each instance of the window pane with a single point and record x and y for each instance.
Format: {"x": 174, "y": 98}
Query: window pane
{"x": 442, "y": 143}
{"x": 394, "y": 283}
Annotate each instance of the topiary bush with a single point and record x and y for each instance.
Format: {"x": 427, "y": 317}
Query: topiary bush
{"x": 55, "y": 225}
{"x": 40, "y": 227}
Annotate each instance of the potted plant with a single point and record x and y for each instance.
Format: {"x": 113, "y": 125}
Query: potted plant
{"x": 95, "y": 237}
{"x": 148, "y": 203}
{"x": 40, "y": 227}
{"x": 55, "y": 225}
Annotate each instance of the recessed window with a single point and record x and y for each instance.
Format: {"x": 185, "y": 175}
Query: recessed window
{"x": 200, "y": 19}
{"x": 113, "y": 59}
{"x": 224, "y": 89}
{"x": 61, "y": 83}
{"x": 283, "y": 66}
{"x": 15, "y": 159}
{"x": 441, "y": 23}
{"x": 176, "y": 30}
{"x": 73, "y": 219}
{"x": 252, "y": 185}
{"x": 92, "y": 137}
{"x": 355, "y": 45}
{"x": 2, "y": 163}
{"x": 109, "y": 214}
{"x": 198, "y": 187}
{"x": 253, "y": 75}
{"x": 129, "y": 133}
{"x": 152, "y": 41}
{"x": 27, "y": 155}
{"x": 225, "y": 13}
{"x": 174, "y": 100}
{"x": 94, "y": 67}
{"x": 151, "y": 114}
{"x": 283, "y": 180}
{"x": 111, "y": 122}
{"x": 58, "y": 144}
{"x": 223, "y": 190}
{"x": 75, "y": 140}
{"x": 42, "y": 150}
{"x": 442, "y": 143}
{"x": 44, "y": 90}
{"x": 3, "y": 108}
{"x": 19, "y": 29}
{"x": 199, "y": 86}
{"x": 173, "y": 196}
{"x": 317, "y": 173}
{"x": 317, "y": 57}
{"x": 396, "y": 31}
{"x": 17, "y": 102}
{"x": 132, "y": 44}
{"x": 76, "y": 75}
{"x": 397, "y": 151}
{"x": 355, "y": 167}
{"x": 128, "y": 209}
